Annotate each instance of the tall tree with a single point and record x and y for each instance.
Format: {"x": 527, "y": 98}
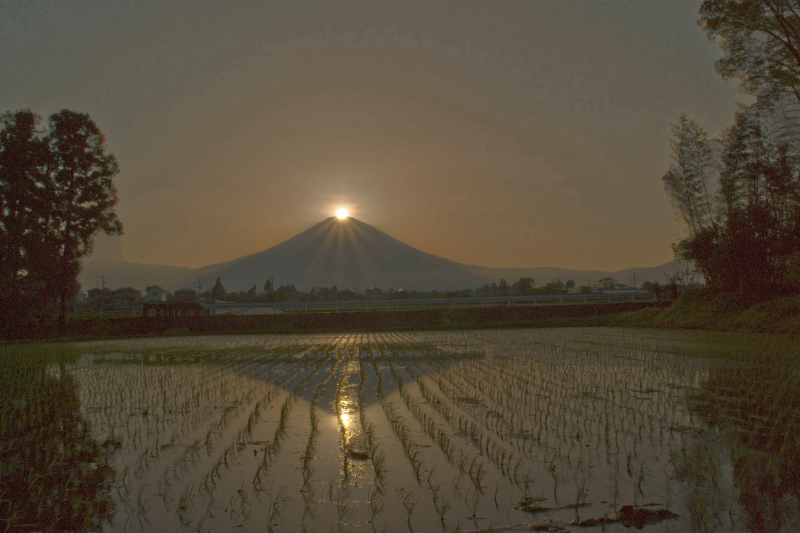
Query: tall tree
{"x": 57, "y": 192}
{"x": 81, "y": 193}
{"x": 761, "y": 191}
{"x": 761, "y": 40}
{"x": 22, "y": 162}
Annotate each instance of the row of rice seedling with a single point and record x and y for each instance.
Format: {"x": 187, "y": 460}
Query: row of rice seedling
{"x": 412, "y": 440}
{"x": 474, "y": 400}
{"x": 412, "y": 430}
{"x": 229, "y": 402}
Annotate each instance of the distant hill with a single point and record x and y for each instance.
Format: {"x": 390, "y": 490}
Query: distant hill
{"x": 349, "y": 254}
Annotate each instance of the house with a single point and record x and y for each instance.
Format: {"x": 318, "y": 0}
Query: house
{"x": 154, "y": 294}
{"x": 347, "y": 294}
{"x": 396, "y": 295}
{"x": 98, "y": 297}
{"x": 374, "y": 293}
{"x": 125, "y": 297}
{"x": 321, "y": 294}
{"x": 185, "y": 295}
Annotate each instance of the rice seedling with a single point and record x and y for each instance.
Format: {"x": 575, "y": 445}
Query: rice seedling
{"x": 600, "y": 419}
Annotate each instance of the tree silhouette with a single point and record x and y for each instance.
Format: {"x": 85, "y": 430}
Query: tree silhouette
{"x": 523, "y": 286}
{"x": 22, "y": 163}
{"x": 81, "y": 193}
{"x": 753, "y": 237}
{"x": 687, "y": 180}
{"x": 502, "y": 288}
{"x": 57, "y": 192}
{"x": 761, "y": 43}
{"x": 218, "y": 291}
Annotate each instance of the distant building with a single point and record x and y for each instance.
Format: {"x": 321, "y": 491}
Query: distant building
{"x": 321, "y": 294}
{"x": 347, "y": 294}
{"x": 185, "y": 295}
{"x": 154, "y": 294}
{"x": 398, "y": 294}
{"x": 125, "y": 297}
{"x": 374, "y": 293}
{"x": 98, "y": 297}
{"x": 333, "y": 294}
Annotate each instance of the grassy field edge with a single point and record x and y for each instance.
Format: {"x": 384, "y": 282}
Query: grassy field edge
{"x": 707, "y": 309}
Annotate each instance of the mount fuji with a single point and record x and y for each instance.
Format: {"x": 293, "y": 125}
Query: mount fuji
{"x": 347, "y": 253}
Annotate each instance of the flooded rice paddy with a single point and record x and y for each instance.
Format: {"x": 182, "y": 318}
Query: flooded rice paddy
{"x": 561, "y": 430}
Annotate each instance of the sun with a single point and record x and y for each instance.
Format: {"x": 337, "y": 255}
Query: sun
{"x": 342, "y": 213}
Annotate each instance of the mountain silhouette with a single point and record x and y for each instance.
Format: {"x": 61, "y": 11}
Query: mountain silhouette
{"x": 347, "y": 253}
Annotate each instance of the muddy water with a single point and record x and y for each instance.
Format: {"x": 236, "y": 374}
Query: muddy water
{"x": 569, "y": 429}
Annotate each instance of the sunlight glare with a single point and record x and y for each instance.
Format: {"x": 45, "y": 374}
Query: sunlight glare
{"x": 342, "y": 213}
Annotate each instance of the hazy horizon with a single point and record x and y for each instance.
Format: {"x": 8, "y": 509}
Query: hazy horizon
{"x": 505, "y": 135}
{"x": 349, "y": 254}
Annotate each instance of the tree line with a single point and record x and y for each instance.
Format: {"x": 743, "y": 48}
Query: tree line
{"x": 56, "y": 192}
{"x": 524, "y": 286}
{"x": 739, "y": 195}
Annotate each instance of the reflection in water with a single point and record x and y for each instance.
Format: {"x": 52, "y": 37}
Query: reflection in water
{"x": 349, "y": 408}
{"x": 757, "y": 408}
{"x": 53, "y": 476}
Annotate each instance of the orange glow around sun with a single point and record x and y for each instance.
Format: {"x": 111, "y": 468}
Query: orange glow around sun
{"x": 342, "y": 213}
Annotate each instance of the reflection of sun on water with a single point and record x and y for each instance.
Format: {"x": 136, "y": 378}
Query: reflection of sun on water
{"x": 355, "y": 444}
{"x": 347, "y": 417}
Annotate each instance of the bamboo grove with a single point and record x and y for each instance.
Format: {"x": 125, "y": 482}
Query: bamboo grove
{"x": 740, "y": 199}
{"x": 740, "y": 194}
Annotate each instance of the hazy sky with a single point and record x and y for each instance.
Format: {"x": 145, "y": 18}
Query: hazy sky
{"x": 502, "y": 134}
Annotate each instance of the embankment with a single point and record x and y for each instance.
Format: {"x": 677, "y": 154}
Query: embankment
{"x": 489, "y": 317}
{"x": 707, "y": 309}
